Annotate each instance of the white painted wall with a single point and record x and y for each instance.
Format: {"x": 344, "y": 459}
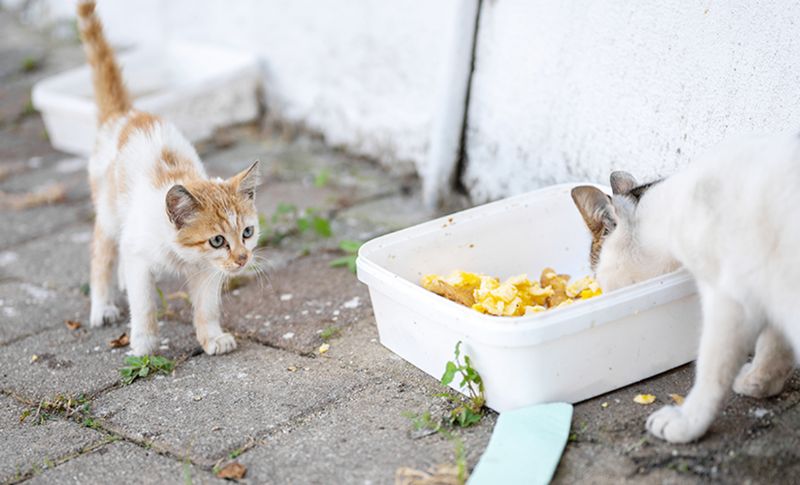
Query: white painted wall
{"x": 570, "y": 90}
{"x": 562, "y": 91}
{"x": 364, "y": 73}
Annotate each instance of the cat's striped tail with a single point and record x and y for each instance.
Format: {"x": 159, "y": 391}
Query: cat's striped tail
{"x": 110, "y": 94}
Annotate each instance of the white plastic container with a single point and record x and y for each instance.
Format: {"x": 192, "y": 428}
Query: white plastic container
{"x": 568, "y": 354}
{"x": 199, "y": 88}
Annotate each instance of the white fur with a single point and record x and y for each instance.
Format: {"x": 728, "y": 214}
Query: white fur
{"x": 732, "y": 221}
{"x": 147, "y": 239}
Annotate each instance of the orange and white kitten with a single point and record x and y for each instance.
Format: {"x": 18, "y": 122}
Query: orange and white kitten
{"x": 157, "y": 211}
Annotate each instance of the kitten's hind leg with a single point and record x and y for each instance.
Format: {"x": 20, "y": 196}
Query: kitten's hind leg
{"x": 144, "y": 326}
{"x": 205, "y": 295}
{"x": 104, "y": 253}
{"x": 726, "y": 339}
{"x": 772, "y": 365}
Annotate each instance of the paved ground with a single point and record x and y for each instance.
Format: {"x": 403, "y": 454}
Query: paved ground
{"x": 276, "y": 406}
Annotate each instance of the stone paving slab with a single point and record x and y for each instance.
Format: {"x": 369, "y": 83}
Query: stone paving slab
{"x": 618, "y": 430}
{"x": 305, "y": 298}
{"x": 25, "y": 446}
{"x": 299, "y": 161}
{"x": 214, "y": 405}
{"x": 25, "y": 139}
{"x": 80, "y": 361}
{"x": 112, "y": 462}
{"x": 21, "y": 226}
{"x": 60, "y": 261}
{"x": 359, "y": 348}
{"x": 364, "y": 439}
{"x": 64, "y": 169}
{"x": 26, "y": 309}
{"x": 384, "y": 215}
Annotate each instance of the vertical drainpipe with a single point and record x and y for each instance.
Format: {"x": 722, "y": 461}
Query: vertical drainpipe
{"x": 449, "y": 123}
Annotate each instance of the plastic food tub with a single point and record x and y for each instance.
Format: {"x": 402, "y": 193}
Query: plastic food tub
{"x": 567, "y": 354}
{"x": 199, "y": 88}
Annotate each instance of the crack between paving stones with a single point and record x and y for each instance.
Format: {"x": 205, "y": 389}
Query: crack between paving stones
{"x": 86, "y": 450}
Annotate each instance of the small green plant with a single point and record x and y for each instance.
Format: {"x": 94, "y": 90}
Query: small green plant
{"x": 461, "y": 458}
{"x": 29, "y": 64}
{"x": 426, "y": 422}
{"x": 423, "y": 422}
{"x": 136, "y": 367}
{"x": 27, "y": 109}
{"x": 187, "y": 472}
{"x": 60, "y": 404}
{"x": 164, "y": 310}
{"x": 329, "y": 333}
{"x": 470, "y": 411}
{"x": 85, "y": 289}
{"x": 322, "y": 178}
{"x": 350, "y": 248}
{"x": 288, "y": 220}
{"x": 90, "y": 423}
{"x": 576, "y": 433}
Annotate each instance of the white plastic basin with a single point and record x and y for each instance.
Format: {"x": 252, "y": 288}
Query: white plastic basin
{"x": 569, "y": 354}
{"x": 197, "y": 87}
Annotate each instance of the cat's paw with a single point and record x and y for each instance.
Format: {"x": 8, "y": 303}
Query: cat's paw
{"x": 144, "y": 344}
{"x": 672, "y": 424}
{"x": 759, "y": 382}
{"x": 102, "y": 314}
{"x": 221, "y": 344}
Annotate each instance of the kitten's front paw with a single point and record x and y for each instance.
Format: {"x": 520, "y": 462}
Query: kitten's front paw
{"x": 102, "y": 314}
{"x": 672, "y": 424}
{"x": 143, "y": 344}
{"x": 760, "y": 383}
{"x": 221, "y": 344}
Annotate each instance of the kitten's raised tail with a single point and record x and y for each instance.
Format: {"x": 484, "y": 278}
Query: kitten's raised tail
{"x": 110, "y": 94}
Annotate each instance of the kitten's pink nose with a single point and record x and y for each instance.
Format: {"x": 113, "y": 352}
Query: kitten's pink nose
{"x": 241, "y": 259}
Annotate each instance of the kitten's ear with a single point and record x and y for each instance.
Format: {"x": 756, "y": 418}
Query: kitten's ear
{"x": 595, "y": 208}
{"x": 181, "y": 205}
{"x": 247, "y": 181}
{"x": 622, "y": 182}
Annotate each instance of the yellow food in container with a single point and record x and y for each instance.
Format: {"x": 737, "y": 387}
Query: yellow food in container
{"x": 517, "y": 296}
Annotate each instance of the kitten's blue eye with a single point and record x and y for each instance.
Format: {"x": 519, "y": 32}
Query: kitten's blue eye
{"x": 248, "y": 231}
{"x": 217, "y": 241}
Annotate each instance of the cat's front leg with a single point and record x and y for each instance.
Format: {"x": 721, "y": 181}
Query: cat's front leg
{"x": 726, "y": 339}
{"x": 144, "y": 326}
{"x": 205, "y": 290}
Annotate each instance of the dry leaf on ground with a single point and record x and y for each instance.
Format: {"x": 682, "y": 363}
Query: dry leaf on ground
{"x": 72, "y": 324}
{"x": 644, "y": 399}
{"x": 121, "y": 341}
{"x": 233, "y": 470}
{"x": 440, "y": 475}
{"x": 324, "y": 348}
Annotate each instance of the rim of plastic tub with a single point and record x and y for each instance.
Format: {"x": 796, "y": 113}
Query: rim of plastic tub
{"x": 524, "y": 330}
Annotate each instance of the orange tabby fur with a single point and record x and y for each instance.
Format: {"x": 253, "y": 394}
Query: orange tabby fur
{"x": 157, "y": 210}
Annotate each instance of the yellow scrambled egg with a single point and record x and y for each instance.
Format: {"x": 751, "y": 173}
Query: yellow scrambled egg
{"x": 514, "y": 297}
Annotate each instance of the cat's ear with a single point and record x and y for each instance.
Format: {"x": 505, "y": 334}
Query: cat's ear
{"x": 622, "y": 182}
{"x": 595, "y": 208}
{"x": 181, "y": 205}
{"x": 247, "y": 180}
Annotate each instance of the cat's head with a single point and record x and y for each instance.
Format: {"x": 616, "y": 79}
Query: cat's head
{"x": 216, "y": 220}
{"x": 616, "y": 255}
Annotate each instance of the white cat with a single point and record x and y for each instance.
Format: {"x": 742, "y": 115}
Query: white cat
{"x": 157, "y": 211}
{"x": 732, "y": 221}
